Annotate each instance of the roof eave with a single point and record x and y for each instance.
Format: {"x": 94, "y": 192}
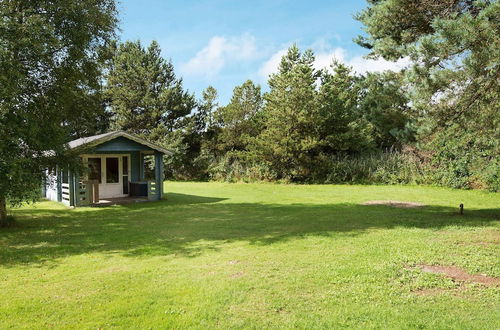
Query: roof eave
{"x": 114, "y": 135}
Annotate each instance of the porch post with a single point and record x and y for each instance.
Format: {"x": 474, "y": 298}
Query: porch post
{"x": 71, "y": 189}
{"x": 159, "y": 174}
{"x": 76, "y": 189}
{"x": 141, "y": 166}
{"x": 58, "y": 183}
{"x": 44, "y": 183}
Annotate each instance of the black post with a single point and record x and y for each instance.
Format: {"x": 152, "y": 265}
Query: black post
{"x": 461, "y": 209}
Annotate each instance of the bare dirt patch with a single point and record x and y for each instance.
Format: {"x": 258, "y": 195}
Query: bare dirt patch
{"x": 113, "y": 270}
{"x": 394, "y": 203}
{"x": 430, "y": 292}
{"x": 459, "y": 274}
{"x": 236, "y": 275}
{"x": 434, "y": 292}
{"x": 487, "y": 237}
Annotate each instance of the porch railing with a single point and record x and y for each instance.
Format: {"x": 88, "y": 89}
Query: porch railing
{"x": 93, "y": 187}
{"x": 83, "y": 197}
{"x": 87, "y": 193}
{"x": 65, "y": 193}
{"x": 152, "y": 190}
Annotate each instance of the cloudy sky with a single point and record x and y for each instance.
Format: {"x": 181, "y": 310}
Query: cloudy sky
{"x": 223, "y": 43}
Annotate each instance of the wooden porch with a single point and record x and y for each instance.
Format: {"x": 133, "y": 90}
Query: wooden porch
{"x": 87, "y": 194}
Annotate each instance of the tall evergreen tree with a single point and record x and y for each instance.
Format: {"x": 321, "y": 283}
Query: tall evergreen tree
{"x": 384, "y": 104}
{"x": 50, "y": 73}
{"x": 455, "y": 48}
{"x": 240, "y": 119}
{"x": 208, "y": 105}
{"x": 340, "y": 124}
{"x": 207, "y": 124}
{"x": 290, "y": 134}
{"x": 146, "y": 97}
{"x": 194, "y": 140}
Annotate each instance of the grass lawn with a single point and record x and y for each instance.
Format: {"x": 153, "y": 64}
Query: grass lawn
{"x": 217, "y": 255}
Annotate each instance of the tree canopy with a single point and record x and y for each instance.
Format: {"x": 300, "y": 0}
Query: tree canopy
{"x": 145, "y": 96}
{"x": 50, "y": 72}
{"x": 454, "y": 82}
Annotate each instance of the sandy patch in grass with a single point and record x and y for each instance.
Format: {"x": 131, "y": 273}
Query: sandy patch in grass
{"x": 459, "y": 274}
{"x": 236, "y": 275}
{"x": 434, "y": 292}
{"x": 485, "y": 238}
{"x": 394, "y": 203}
{"x": 113, "y": 270}
{"x": 430, "y": 292}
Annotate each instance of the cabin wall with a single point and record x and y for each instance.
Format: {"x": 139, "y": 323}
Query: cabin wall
{"x": 135, "y": 161}
{"x": 64, "y": 187}
{"x": 159, "y": 174}
{"x": 135, "y": 164}
{"x": 120, "y": 145}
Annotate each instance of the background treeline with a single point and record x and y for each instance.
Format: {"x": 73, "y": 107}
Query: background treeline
{"x": 64, "y": 76}
{"x": 313, "y": 125}
{"x": 316, "y": 126}
{"x": 435, "y": 122}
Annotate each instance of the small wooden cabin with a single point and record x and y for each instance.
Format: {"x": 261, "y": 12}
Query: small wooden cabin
{"x": 120, "y": 167}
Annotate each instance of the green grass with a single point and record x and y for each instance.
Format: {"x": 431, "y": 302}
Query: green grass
{"x": 217, "y": 255}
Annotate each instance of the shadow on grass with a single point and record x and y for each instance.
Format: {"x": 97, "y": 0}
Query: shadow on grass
{"x": 188, "y": 225}
{"x": 183, "y": 199}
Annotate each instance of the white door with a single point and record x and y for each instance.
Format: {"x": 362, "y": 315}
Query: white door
{"x": 108, "y": 170}
{"x": 111, "y": 185}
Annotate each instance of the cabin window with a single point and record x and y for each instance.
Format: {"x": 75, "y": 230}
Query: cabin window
{"x": 149, "y": 167}
{"x": 94, "y": 169}
{"x": 112, "y": 174}
{"x": 65, "y": 176}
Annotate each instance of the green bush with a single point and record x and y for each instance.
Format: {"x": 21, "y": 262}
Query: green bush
{"x": 389, "y": 167}
{"x": 232, "y": 168}
{"x": 379, "y": 168}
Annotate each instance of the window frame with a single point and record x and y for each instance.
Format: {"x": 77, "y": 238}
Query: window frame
{"x": 103, "y": 157}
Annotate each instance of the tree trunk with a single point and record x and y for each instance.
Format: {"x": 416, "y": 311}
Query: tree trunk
{"x": 3, "y": 212}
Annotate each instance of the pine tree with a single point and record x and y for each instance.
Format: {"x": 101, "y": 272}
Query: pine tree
{"x": 454, "y": 81}
{"x": 385, "y": 105}
{"x": 240, "y": 119}
{"x": 341, "y": 126}
{"x": 193, "y": 142}
{"x": 146, "y": 97}
{"x": 290, "y": 135}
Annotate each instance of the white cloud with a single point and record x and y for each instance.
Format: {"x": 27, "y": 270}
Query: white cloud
{"x": 218, "y": 52}
{"x": 362, "y": 65}
{"x": 324, "y": 58}
{"x": 358, "y": 63}
{"x": 272, "y": 64}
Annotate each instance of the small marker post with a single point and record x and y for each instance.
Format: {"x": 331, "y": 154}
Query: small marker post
{"x": 461, "y": 209}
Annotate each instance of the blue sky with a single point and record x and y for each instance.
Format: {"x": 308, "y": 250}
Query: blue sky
{"x": 223, "y": 43}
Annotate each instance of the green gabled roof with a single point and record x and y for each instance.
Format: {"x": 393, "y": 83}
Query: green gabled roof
{"x": 93, "y": 141}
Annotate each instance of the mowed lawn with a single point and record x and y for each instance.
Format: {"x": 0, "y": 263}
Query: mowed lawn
{"x": 216, "y": 255}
